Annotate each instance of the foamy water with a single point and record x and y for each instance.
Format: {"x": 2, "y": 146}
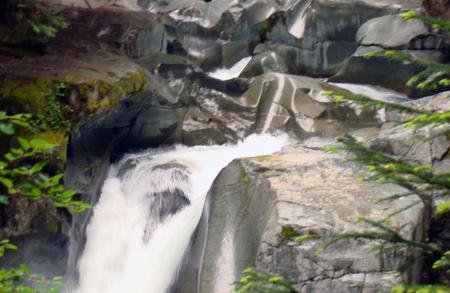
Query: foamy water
{"x": 127, "y": 250}
{"x": 232, "y": 72}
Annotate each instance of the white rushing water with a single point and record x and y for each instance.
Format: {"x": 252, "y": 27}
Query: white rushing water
{"x": 142, "y": 223}
{"x": 232, "y": 72}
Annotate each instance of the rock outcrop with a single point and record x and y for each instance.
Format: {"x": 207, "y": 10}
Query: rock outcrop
{"x": 392, "y": 33}
{"x": 253, "y": 203}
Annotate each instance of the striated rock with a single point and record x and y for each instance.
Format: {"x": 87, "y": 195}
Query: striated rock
{"x": 220, "y": 33}
{"x": 439, "y": 102}
{"x": 317, "y": 36}
{"x": 276, "y": 101}
{"x": 265, "y": 62}
{"x": 277, "y": 98}
{"x": 312, "y": 37}
{"x": 253, "y": 201}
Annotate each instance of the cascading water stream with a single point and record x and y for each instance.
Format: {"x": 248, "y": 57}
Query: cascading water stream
{"x": 150, "y": 205}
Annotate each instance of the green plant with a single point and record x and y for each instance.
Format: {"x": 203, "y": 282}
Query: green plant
{"x": 33, "y": 19}
{"x": 21, "y": 174}
{"x": 20, "y": 280}
{"x": 433, "y": 76}
{"x": 432, "y": 21}
{"x": 9, "y": 123}
{"x": 21, "y": 169}
{"x": 257, "y": 281}
{"x": 287, "y": 233}
{"x": 55, "y": 113}
{"x": 420, "y": 289}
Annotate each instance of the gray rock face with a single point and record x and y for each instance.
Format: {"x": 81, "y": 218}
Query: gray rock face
{"x": 413, "y": 145}
{"x": 383, "y": 72}
{"x": 390, "y": 31}
{"x": 253, "y": 200}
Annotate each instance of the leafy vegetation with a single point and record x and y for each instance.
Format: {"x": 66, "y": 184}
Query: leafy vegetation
{"x": 434, "y": 22}
{"x": 21, "y": 169}
{"x": 22, "y": 174}
{"x": 54, "y": 116}
{"x": 32, "y": 21}
{"x": 258, "y": 281}
{"x": 16, "y": 280}
{"x": 287, "y": 233}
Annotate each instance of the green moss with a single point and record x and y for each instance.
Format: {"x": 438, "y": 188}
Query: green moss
{"x": 102, "y": 96}
{"x": 266, "y": 159}
{"x": 286, "y": 234}
{"x": 26, "y": 94}
{"x": 305, "y": 90}
{"x": 34, "y": 95}
{"x": 244, "y": 176}
{"x": 265, "y": 27}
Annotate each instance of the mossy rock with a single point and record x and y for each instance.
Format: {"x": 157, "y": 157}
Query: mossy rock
{"x": 26, "y": 94}
{"x": 102, "y": 96}
{"x": 85, "y": 91}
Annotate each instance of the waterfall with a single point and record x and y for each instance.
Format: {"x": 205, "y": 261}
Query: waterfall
{"x": 150, "y": 205}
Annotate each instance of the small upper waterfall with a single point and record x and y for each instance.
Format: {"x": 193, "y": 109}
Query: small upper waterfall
{"x": 149, "y": 207}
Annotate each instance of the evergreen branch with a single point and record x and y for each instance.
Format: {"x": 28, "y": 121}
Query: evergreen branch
{"x": 405, "y": 208}
{"x": 420, "y": 289}
{"x": 432, "y": 21}
{"x": 391, "y": 167}
{"x": 341, "y": 95}
{"x": 394, "y": 197}
{"x": 258, "y": 281}
{"x": 387, "y": 234}
{"x": 433, "y": 76}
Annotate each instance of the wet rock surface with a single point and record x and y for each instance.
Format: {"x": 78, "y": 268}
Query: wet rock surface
{"x": 309, "y": 191}
{"x": 44, "y": 253}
